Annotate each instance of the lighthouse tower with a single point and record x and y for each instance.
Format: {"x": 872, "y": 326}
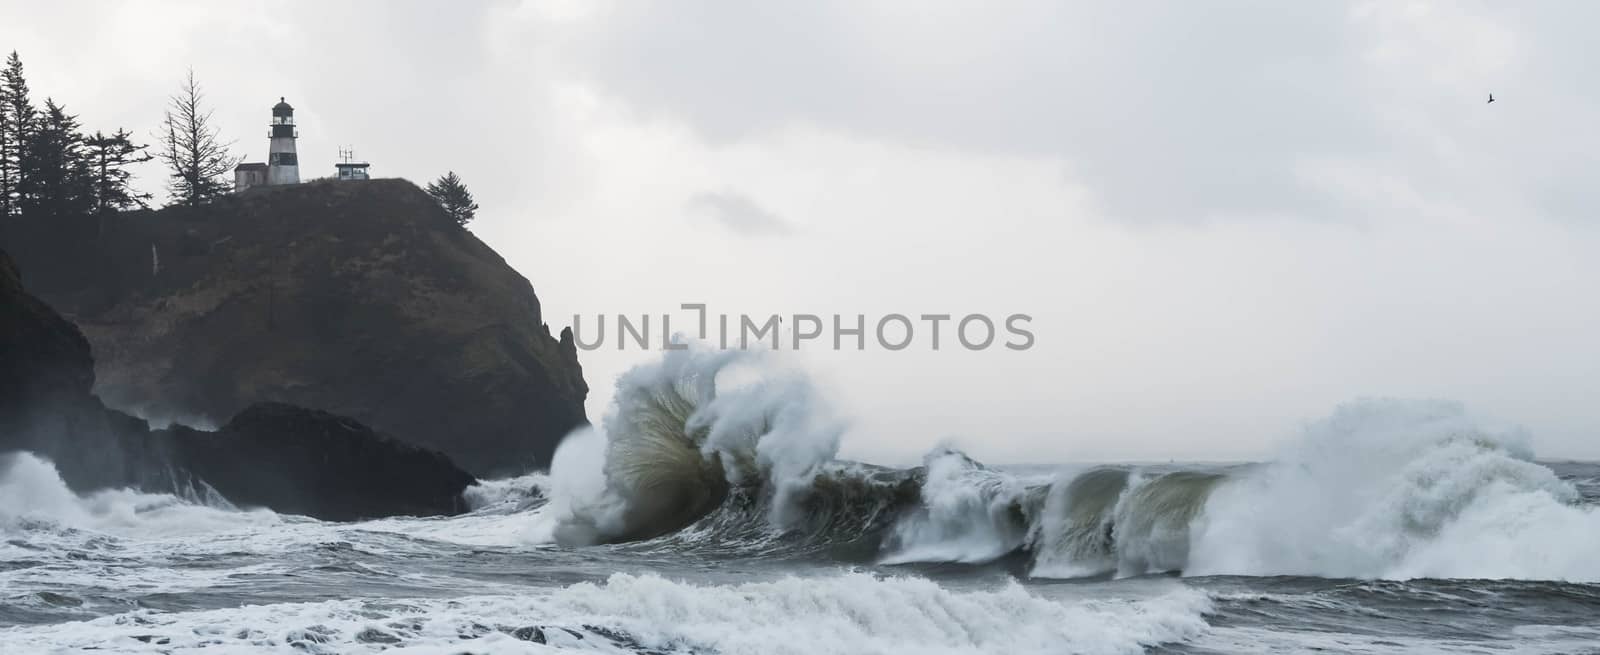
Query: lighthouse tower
{"x": 283, "y": 167}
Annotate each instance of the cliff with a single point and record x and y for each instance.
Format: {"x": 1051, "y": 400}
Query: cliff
{"x": 285, "y": 458}
{"x": 45, "y": 363}
{"x": 358, "y": 298}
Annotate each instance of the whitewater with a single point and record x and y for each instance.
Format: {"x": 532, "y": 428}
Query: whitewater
{"x": 708, "y": 512}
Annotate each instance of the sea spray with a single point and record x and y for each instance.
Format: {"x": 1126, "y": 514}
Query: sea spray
{"x": 1388, "y": 489}
{"x": 1399, "y": 489}
{"x": 681, "y": 433}
{"x": 514, "y": 494}
{"x": 32, "y": 492}
{"x": 769, "y": 428}
{"x": 725, "y": 449}
{"x": 969, "y": 513}
{"x": 579, "y": 508}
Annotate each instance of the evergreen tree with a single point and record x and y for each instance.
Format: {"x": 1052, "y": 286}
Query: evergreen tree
{"x": 197, "y": 162}
{"x": 54, "y": 178}
{"x": 454, "y": 197}
{"x": 5, "y": 156}
{"x": 110, "y": 182}
{"x": 17, "y": 119}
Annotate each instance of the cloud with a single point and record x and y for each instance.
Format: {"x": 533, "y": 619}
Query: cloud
{"x": 1188, "y": 114}
{"x": 739, "y": 214}
{"x": 1224, "y": 217}
{"x": 1171, "y": 114}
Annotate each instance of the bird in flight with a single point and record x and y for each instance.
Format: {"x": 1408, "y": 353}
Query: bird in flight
{"x": 1491, "y": 98}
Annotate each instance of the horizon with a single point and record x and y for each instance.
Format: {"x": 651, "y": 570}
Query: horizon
{"x": 1216, "y": 248}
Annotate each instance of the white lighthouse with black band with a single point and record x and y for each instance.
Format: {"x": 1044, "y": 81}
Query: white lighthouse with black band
{"x": 283, "y": 165}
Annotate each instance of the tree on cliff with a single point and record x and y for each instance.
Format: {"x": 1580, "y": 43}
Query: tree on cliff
{"x": 54, "y": 174}
{"x": 110, "y": 181}
{"x": 17, "y": 117}
{"x": 454, "y": 197}
{"x": 197, "y": 162}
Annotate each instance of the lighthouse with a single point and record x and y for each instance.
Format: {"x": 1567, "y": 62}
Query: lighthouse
{"x": 283, "y": 166}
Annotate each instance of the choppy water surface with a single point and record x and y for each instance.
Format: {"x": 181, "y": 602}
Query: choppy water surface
{"x": 126, "y": 572}
{"x": 701, "y": 520}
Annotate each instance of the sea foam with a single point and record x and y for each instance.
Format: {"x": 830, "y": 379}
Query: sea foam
{"x": 849, "y": 613}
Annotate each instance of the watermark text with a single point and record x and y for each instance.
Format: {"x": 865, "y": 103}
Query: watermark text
{"x": 806, "y": 331}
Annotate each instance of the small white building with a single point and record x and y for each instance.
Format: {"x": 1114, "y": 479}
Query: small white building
{"x": 349, "y": 168}
{"x": 249, "y": 175}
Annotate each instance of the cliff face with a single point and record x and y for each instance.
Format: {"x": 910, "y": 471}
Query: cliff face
{"x": 278, "y": 456}
{"x": 357, "y": 298}
{"x": 45, "y": 363}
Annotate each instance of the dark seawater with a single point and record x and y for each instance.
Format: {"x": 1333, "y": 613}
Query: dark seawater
{"x": 129, "y": 572}
{"x": 717, "y": 519}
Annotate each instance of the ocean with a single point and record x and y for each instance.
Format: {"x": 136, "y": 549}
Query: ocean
{"x": 704, "y": 516}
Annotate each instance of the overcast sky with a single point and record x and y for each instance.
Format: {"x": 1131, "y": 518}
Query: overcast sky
{"x": 1226, "y": 218}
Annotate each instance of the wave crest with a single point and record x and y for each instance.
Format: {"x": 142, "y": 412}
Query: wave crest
{"x": 693, "y": 453}
{"x": 683, "y": 433}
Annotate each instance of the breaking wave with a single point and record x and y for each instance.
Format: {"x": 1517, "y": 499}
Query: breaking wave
{"x": 713, "y": 450}
{"x": 729, "y": 453}
{"x": 968, "y": 513}
{"x": 1400, "y": 489}
{"x": 685, "y": 436}
{"x": 33, "y": 495}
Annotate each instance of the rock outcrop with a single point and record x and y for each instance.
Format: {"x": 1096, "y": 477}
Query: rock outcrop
{"x": 358, "y": 298}
{"x": 277, "y": 456}
{"x": 46, "y": 373}
{"x": 314, "y": 463}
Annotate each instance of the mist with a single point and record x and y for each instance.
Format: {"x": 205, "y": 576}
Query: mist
{"x": 1216, "y": 244}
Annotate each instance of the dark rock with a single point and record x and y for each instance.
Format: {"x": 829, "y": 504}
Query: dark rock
{"x": 314, "y": 463}
{"x": 358, "y": 298}
{"x": 273, "y": 455}
{"x": 45, "y": 375}
{"x": 376, "y": 636}
{"x": 531, "y": 633}
{"x": 46, "y": 356}
{"x": 473, "y": 631}
{"x": 317, "y": 634}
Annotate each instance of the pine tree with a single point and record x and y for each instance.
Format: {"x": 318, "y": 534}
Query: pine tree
{"x": 5, "y": 156}
{"x": 197, "y": 162}
{"x": 17, "y": 119}
{"x": 110, "y": 182}
{"x": 454, "y": 197}
{"x": 54, "y": 178}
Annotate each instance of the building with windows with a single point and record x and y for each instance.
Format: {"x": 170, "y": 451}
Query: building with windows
{"x": 283, "y": 165}
{"x": 350, "y": 169}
